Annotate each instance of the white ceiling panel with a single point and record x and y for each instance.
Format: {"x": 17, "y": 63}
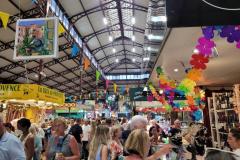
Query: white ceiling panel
{"x": 70, "y": 84}
{"x": 97, "y": 21}
{"x": 142, "y": 2}
{"x": 7, "y": 7}
{"x": 84, "y": 26}
{"x": 57, "y": 68}
{"x": 32, "y": 65}
{"x": 104, "y": 38}
{"x": 17, "y": 70}
{"x": 3, "y": 63}
{"x": 62, "y": 87}
{"x": 60, "y": 79}
{"x": 48, "y": 72}
{"x": 93, "y": 43}
{"x": 141, "y": 18}
{"x": 70, "y": 75}
{"x": 88, "y": 4}
{"x": 8, "y": 54}
{"x": 72, "y": 7}
{"x": 70, "y": 64}
{"x": 5, "y": 74}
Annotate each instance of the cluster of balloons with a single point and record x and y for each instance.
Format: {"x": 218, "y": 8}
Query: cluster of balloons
{"x": 199, "y": 60}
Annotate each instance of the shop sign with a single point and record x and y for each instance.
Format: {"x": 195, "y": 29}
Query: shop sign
{"x": 17, "y": 91}
{"x": 30, "y": 91}
{"x": 136, "y": 94}
{"x": 50, "y": 95}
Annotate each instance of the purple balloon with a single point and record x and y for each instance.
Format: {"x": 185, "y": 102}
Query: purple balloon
{"x": 231, "y": 33}
{"x": 208, "y": 32}
{"x": 238, "y": 45}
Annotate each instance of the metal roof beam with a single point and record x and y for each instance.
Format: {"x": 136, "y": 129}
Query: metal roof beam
{"x": 85, "y": 47}
{"x": 113, "y": 55}
{"x": 16, "y": 64}
{"x": 7, "y": 45}
{"x": 26, "y": 14}
{"x": 105, "y": 30}
{"x": 93, "y": 29}
{"x": 23, "y": 76}
{"x": 102, "y": 7}
{"x": 136, "y": 44}
{"x": 122, "y": 61}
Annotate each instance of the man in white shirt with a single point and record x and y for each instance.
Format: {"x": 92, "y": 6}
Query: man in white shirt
{"x": 86, "y": 131}
{"x": 10, "y": 146}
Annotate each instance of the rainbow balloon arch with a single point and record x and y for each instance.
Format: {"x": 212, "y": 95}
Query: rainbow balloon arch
{"x": 188, "y": 86}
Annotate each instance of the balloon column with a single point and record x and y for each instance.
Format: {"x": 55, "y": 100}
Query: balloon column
{"x": 198, "y": 61}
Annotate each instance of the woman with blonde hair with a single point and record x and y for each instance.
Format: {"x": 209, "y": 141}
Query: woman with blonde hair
{"x": 116, "y": 145}
{"x": 99, "y": 144}
{"x": 138, "y": 144}
{"x": 62, "y": 146}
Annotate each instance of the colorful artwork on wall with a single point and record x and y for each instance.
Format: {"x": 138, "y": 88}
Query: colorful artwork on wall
{"x": 36, "y": 38}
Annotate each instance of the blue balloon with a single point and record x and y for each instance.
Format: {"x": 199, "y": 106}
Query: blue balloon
{"x": 177, "y": 105}
{"x": 197, "y": 115}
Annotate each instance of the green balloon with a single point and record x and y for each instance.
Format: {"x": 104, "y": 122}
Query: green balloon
{"x": 159, "y": 70}
{"x": 168, "y": 108}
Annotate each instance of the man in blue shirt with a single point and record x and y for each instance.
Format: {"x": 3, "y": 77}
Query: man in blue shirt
{"x": 10, "y": 146}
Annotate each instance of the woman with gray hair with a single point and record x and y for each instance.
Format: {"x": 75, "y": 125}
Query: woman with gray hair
{"x": 217, "y": 154}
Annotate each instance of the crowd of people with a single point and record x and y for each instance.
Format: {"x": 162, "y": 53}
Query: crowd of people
{"x": 108, "y": 139}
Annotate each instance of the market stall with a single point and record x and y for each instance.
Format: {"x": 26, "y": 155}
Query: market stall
{"x": 28, "y": 100}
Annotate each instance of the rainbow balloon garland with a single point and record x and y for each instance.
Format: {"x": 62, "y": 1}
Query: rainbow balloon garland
{"x": 187, "y": 87}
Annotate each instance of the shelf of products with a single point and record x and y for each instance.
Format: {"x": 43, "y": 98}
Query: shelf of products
{"x": 222, "y": 116}
{"x": 236, "y": 98}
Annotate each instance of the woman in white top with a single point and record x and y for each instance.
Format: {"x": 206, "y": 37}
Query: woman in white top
{"x": 234, "y": 140}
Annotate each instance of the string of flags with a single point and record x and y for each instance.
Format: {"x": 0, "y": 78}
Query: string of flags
{"x": 60, "y": 29}
{"x": 4, "y": 17}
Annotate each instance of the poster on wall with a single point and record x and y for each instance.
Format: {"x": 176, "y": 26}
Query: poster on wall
{"x": 36, "y": 38}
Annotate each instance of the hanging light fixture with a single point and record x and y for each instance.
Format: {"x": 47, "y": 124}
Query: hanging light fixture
{"x": 133, "y": 20}
{"x": 105, "y": 21}
{"x": 133, "y": 60}
{"x": 133, "y": 49}
{"x": 110, "y": 38}
{"x": 114, "y": 50}
{"x": 117, "y": 60}
{"x": 133, "y": 38}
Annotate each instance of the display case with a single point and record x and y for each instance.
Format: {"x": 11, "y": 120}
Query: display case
{"x": 222, "y": 116}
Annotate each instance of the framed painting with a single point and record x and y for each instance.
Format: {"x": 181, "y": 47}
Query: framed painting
{"x": 36, "y": 38}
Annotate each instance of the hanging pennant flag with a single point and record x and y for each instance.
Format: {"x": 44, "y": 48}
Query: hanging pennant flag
{"x": 107, "y": 83}
{"x": 123, "y": 89}
{"x": 4, "y": 17}
{"x": 127, "y": 88}
{"x": 98, "y": 74}
{"x": 60, "y": 29}
{"x": 86, "y": 63}
{"x": 75, "y": 50}
{"x": 115, "y": 87}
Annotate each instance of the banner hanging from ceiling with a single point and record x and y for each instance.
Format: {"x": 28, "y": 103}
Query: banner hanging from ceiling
{"x": 36, "y": 38}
